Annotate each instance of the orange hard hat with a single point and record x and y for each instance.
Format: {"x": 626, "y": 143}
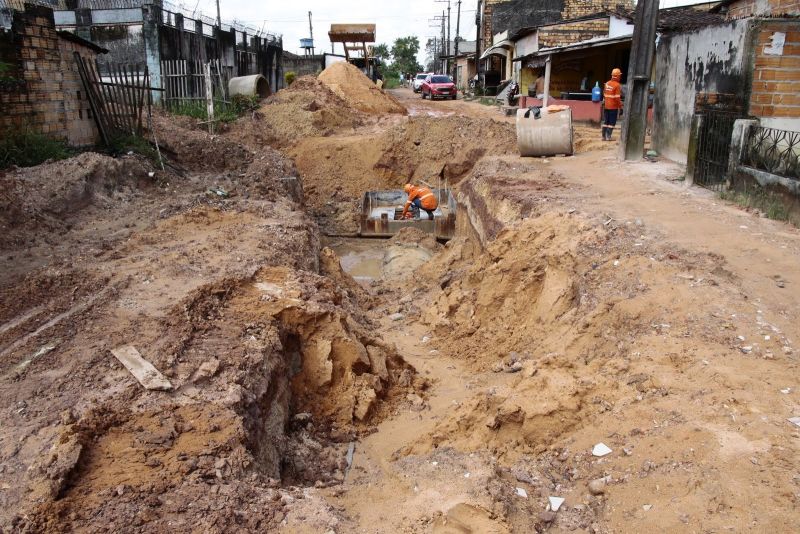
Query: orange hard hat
{"x": 407, "y": 188}
{"x": 616, "y": 73}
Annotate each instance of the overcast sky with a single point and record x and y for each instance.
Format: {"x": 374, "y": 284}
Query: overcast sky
{"x": 394, "y": 18}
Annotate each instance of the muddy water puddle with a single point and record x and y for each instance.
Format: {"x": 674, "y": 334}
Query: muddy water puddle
{"x": 361, "y": 258}
{"x": 370, "y": 260}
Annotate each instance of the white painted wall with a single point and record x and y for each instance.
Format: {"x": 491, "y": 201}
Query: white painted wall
{"x": 618, "y": 27}
{"x": 710, "y": 60}
{"x": 781, "y": 123}
{"x": 527, "y": 45}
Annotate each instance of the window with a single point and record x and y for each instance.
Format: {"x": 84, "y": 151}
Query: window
{"x": 440, "y": 79}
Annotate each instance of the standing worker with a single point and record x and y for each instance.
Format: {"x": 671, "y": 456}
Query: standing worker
{"x": 421, "y": 198}
{"x": 612, "y": 103}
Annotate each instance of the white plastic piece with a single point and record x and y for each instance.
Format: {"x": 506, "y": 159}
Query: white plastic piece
{"x": 601, "y": 449}
{"x": 555, "y": 503}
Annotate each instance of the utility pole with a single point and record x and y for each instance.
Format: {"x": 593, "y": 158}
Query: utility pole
{"x": 310, "y": 31}
{"x": 438, "y": 22}
{"x": 219, "y": 18}
{"x": 446, "y": 37}
{"x": 455, "y": 44}
{"x": 438, "y": 58}
{"x": 643, "y": 47}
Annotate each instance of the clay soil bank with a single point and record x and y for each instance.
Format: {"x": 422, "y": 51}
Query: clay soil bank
{"x": 326, "y": 384}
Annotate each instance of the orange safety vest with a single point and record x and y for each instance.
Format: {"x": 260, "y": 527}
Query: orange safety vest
{"x": 425, "y": 196}
{"x": 612, "y": 94}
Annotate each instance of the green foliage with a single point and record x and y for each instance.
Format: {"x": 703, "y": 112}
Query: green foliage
{"x": 5, "y": 72}
{"x": 768, "y": 203}
{"x": 404, "y": 55}
{"x": 132, "y": 143}
{"x": 223, "y": 112}
{"x": 242, "y": 104}
{"x": 289, "y": 77}
{"x": 391, "y": 82}
{"x": 26, "y": 148}
{"x": 382, "y": 52}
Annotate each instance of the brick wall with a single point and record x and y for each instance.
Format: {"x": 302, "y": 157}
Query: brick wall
{"x": 572, "y": 32}
{"x": 48, "y": 96}
{"x": 512, "y": 15}
{"x": 581, "y": 8}
{"x": 776, "y": 78}
{"x": 747, "y": 8}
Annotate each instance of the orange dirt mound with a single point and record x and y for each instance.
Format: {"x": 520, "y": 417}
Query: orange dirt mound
{"x": 349, "y": 82}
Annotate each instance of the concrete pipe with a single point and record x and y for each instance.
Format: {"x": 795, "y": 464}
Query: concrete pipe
{"x": 549, "y": 135}
{"x": 254, "y": 85}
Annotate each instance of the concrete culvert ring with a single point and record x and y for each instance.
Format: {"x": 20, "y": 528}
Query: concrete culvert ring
{"x": 254, "y": 85}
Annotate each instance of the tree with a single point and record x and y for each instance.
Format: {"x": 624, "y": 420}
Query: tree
{"x": 382, "y": 52}
{"x": 404, "y": 54}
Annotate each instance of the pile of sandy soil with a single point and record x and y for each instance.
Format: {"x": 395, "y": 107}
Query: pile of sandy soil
{"x": 307, "y": 108}
{"x": 274, "y": 367}
{"x": 44, "y": 197}
{"x": 337, "y": 171}
{"x": 347, "y": 81}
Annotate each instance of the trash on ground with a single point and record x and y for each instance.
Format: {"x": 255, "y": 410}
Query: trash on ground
{"x": 555, "y": 503}
{"x": 522, "y": 493}
{"x": 147, "y": 375}
{"x": 601, "y": 449}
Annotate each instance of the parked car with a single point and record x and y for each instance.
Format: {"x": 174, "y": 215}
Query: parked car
{"x": 418, "y": 79}
{"x": 439, "y": 86}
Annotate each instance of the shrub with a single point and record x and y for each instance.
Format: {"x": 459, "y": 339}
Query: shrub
{"x": 289, "y": 77}
{"x": 27, "y": 148}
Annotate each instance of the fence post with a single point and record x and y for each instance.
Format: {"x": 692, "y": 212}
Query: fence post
{"x": 209, "y": 97}
{"x": 151, "y": 16}
{"x": 738, "y": 139}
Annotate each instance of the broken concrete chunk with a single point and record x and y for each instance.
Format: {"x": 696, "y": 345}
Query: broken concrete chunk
{"x": 147, "y": 375}
{"x": 522, "y": 493}
{"x": 397, "y": 317}
{"x": 377, "y": 362}
{"x": 795, "y": 420}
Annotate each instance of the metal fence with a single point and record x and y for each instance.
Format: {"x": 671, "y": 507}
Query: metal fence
{"x": 773, "y": 151}
{"x": 713, "y": 148}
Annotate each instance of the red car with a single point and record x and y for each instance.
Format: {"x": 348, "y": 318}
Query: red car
{"x": 439, "y": 86}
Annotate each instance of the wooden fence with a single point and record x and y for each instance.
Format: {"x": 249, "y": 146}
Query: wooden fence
{"x": 118, "y": 100}
{"x": 196, "y": 88}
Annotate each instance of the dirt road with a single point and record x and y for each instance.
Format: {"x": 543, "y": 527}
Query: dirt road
{"x": 446, "y": 388}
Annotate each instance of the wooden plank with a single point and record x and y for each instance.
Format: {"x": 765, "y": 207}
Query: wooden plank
{"x": 147, "y": 375}
{"x": 90, "y": 97}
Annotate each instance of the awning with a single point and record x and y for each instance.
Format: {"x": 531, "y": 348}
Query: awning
{"x": 495, "y": 50}
{"x": 591, "y": 43}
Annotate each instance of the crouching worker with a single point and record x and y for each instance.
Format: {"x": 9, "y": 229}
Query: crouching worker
{"x": 420, "y": 198}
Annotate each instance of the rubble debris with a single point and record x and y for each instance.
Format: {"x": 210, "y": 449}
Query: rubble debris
{"x": 597, "y": 486}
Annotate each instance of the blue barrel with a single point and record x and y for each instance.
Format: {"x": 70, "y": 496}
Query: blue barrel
{"x": 597, "y": 93}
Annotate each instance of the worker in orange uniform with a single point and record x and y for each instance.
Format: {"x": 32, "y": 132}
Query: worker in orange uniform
{"x": 612, "y": 103}
{"x": 421, "y": 198}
